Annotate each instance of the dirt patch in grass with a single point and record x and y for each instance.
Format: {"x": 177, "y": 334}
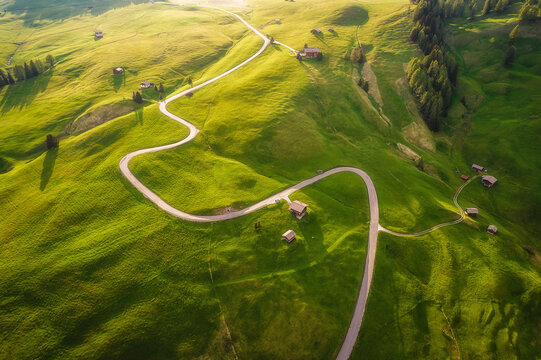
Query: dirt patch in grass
{"x": 97, "y": 117}
{"x": 409, "y": 153}
{"x": 373, "y": 89}
{"x": 419, "y": 135}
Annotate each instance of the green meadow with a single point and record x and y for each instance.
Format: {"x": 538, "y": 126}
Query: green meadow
{"x": 92, "y": 269}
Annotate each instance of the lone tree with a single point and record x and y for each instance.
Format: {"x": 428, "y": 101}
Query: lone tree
{"x": 299, "y": 57}
{"x": 161, "y": 89}
{"x": 190, "y": 81}
{"x": 49, "y": 60}
{"x": 51, "y": 141}
{"x": 138, "y": 98}
{"x": 319, "y": 56}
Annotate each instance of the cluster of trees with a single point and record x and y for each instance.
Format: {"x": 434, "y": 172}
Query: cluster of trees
{"x": 431, "y": 79}
{"x": 531, "y": 10}
{"x": 26, "y": 71}
{"x": 496, "y": 5}
{"x": 137, "y": 97}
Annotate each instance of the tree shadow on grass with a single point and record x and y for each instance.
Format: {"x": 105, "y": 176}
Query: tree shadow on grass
{"x": 48, "y": 167}
{"x": 118, "y": 80}
{"x": 139, "y": 114}
{"x": 23, "y": 94}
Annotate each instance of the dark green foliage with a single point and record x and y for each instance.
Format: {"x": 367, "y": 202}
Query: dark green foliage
{"x": 509, "y": 56}
{"x": 363, "y": 84}
{"x": 472, "y": 7}
{"x": 26, "y": 71}
{"x": 486, "y": 7}
{"x": 138, "y": 98}
{"x": 50, "y": 61}
{"x": 431, "y": 79}
{"x": 530, "y": 11}
{"x": 161, "y": 89}
{"x": 51, "y": 141}
{"x": 19, "y": 73}
{"x": 190, "y": 81}
{"x": 319, "y": 56}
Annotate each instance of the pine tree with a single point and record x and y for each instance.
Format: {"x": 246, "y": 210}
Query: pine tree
{"x": 49, "y": 60}
{"x": 34, "y": 68}
{"x": 51, "y": 141}
{"x": 27, "y": 71}
{"x": 19, "y": 72}
{"x": 138, "y": 98}
{"x": 190, "y": 81}
{"x": 161, "y": 89}
{"x": 486, "y": 8}
{"x": 11, "y": 79}
{"x": 3, "y": 77}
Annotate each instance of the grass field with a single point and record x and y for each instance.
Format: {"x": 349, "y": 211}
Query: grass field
{"x": 92, "y": 269}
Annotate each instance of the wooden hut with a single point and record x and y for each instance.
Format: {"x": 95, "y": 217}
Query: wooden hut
{"x": 289, "y": 236}
{"x": 298, "y": 208}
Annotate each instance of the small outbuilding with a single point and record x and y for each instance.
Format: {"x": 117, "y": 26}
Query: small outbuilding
{"x": 298, "y": 208}
{"x": 464, "y": 177}
{"x": 492, "y": 229}
{"x": 315, "y": 31}
{"x": 472, "y": 212}
{"x": 98, "y": 34}
{"x": 331, "y": 30}
{"x": 488, "y": 180}
{"x": 118, "y": 70}
{"x": 310, "y": 53}
{"x": 477, "y": 168}
{"x": 289, "y": 236}
{"x": 146, "y": 85}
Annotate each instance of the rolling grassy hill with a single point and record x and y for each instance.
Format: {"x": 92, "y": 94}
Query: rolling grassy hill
{"x": 93, "y": 270}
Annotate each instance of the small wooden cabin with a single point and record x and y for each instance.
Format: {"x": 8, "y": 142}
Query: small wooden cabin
{"x": 492, "y": 229}
{"x": 146, "y": 85}
{"x": 488, "y": 180}
{"x": 289, "y": 236}
{"x": 472, "y": 212}
{"x": 118, "y": 70}
{"x": 298, "y": 208}
{"x": 477, "y": 168}
{"x": 98, "y": 34}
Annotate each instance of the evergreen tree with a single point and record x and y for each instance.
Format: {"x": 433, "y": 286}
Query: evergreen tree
{"x": 3, "y": 77}
{"x": 51, "y": 141}
{"x": 486, "y": 7}
{"x": 190, "y": 81}
{"x": 19, "y": 73}
{"x": 27, "y": 71}
{"x": 161, "y": 89}
{"x": 33, "y": 68}
{"x": 11, "y": 79}
{"x": 138, "y": 98}
{"x": 49, "y": 60}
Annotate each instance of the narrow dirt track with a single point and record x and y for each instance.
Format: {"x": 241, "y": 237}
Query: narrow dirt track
{"x": 374, "y": 228}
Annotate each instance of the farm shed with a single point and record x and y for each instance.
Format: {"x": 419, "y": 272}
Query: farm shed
{"x": 298, "y": 208}
{"x": 289, "y": 236}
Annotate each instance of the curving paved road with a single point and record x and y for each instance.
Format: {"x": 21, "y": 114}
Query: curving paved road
{"x": 374, "y": 228}
{"x": 439, "y": 226}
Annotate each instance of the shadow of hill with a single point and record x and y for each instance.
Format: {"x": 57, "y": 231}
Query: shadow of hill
{"x": 38, "y": 10}
{"x": 48, "y": 167}
{"x": 23, "y": 93}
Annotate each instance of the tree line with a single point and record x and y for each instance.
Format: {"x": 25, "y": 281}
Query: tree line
{"x": 28, "y": 70}
{"x": 431, "y": 78}
{"x": 531, "y": 10}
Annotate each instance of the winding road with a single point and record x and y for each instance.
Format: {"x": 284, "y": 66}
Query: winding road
{"x": 374, "y": 228}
